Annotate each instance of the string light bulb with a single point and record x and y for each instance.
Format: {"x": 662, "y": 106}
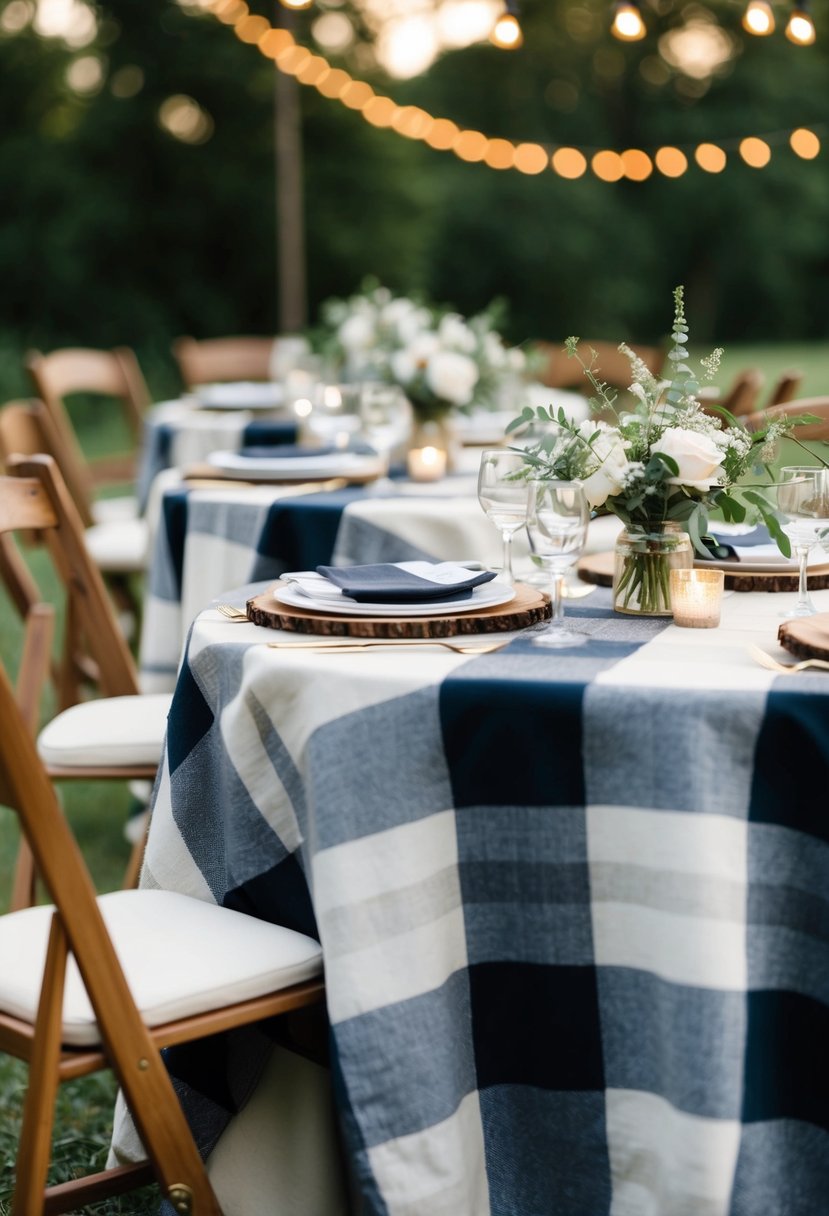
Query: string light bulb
{"x": 800, "y": 28}
{"x": 628, "y": 25}
{"x": 758, "y": 19}
{"x": 507, "y": 34}
{"x": 295, "y": 5}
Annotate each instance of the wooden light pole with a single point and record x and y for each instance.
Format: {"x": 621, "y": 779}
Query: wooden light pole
{"x": 291, "y": 275}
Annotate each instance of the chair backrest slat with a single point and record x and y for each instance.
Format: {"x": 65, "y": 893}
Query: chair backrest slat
{"x": 223, "y": 359}
{"x": 110, "y": 373}
{"x": 819, "y": 406}
{"x": 34, "y": 498}
{"x": 610, "y": 365}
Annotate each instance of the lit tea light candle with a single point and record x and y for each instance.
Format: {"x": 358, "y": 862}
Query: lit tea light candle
{"x": 426, "y": 464}
{"x": 696, "y": 597}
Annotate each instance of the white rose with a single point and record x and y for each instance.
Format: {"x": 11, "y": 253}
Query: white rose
{"x": 516, "y": 358}
{"x": 608, "y": 478}
{"x": 451, "y": 376}
{"x": 357, "y": 333}
{"x": 421, "y": 348}
{"x": 403, "y": 367}
{"x": 455, "y": 333}
{"x": 697, "y": 456}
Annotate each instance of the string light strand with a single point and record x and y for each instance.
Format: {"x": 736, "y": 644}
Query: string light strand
{"x": 474, "y": 147}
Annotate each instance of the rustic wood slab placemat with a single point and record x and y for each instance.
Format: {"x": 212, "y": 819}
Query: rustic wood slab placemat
{"x": 807, "y": 637}
{"x": 598, "y": 568}
{"x": 528, "y": 608}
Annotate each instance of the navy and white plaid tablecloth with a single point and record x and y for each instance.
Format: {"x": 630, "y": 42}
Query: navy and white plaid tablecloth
{"x": 177, "y": 433}
{"x": 573, "y": 905}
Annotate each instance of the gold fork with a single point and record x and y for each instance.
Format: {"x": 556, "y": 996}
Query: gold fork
{"x": 341, "y": 647}
{"x": 766, "y": 660}
{"x": 232, "y": 614}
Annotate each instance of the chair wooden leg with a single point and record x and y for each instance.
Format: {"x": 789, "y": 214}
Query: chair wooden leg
{"x": 35, "y": 1147}
{"x": 133, "y": 871}
{"x": 25, "y": 879}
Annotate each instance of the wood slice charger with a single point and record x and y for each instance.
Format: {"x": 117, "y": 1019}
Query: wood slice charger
{"x": 598, "y": 568}
{"x": 528, "y": 608}
{"x": 806, "y": 637}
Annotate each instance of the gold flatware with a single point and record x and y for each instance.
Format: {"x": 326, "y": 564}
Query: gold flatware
{"x": 766, "y": 660}
{"x": 232, "y": 614}
{"x": 347, "y": 644}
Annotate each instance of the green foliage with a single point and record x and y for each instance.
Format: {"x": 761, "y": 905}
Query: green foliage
{"x": 116, "y": 232}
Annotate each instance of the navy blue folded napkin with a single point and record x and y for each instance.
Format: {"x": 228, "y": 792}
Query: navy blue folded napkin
{"x": 724, "y": 546}
{"x": 386, "y": 583}
{"x": 266, "y": 451}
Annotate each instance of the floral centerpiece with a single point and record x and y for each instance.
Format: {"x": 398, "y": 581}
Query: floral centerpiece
{"x": 442, "y": 361}
{"x": 659, "y": 466}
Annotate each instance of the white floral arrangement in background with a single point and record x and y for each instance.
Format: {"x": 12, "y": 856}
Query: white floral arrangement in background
{"x": 442, "y": 361}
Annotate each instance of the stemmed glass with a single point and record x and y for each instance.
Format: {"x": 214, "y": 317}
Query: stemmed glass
{"x": 803, "y": 497}
{"x": 333, "y": 414}
{"x": 385, "y": 416}
{"x": 557, "y": 518}
{"x": 502, "y": 492}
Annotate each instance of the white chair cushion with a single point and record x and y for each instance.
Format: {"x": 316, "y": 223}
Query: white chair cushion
{"x": 111, "y": 730}
{"x": 118, "y": 546}
{"x": 114, "y": 510}
{"x": 180, "y": 956}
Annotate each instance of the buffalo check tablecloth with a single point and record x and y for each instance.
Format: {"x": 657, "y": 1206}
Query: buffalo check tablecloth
{"x": 573, "y": 905}
{"x": 208, "y": 539}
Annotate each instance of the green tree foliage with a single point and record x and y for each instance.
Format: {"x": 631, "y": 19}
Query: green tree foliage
{"x": 112, "y": 230}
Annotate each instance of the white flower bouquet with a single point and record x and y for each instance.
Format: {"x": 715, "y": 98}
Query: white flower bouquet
{"x": 662, "y": 465}
{"x": 442, "y": 361}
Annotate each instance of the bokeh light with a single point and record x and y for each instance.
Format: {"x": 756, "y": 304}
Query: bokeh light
{"x": 710, "y": 157}
{"x": 804, "y": 143}
{"x": 569, "y": 162}
{"x": 755, "y": 152}
{"x": 671, "y": 162}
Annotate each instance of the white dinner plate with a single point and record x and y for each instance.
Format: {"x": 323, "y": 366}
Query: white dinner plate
{"x": 297, "y": 468}
{"x": 482, "y": 427}
{"x": 767, "y": 564}
{"x": 239, "y": 395}
{"x": 488, "y": 595}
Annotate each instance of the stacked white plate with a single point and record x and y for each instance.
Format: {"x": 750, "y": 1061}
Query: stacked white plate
{"x": 297, "y": 468}
{"x": 239, "y": 395}
{"x": 307, "y": 589}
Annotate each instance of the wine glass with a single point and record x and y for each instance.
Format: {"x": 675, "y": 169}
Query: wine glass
{"x": 803, "y": 497}
{"x": 385, "y": 415}
{"x": 557, "y": 518}
{"x": 334, "y": 414}
{"x": 502, "y": 492}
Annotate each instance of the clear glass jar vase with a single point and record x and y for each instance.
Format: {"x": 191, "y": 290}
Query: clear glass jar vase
{"x": 644, "y": 559}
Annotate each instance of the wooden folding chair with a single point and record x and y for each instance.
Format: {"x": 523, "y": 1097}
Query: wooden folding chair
{"x": 118, "y": 546}
{"x": 610, "y": 365}
{"x": 819, "y": 406}
{"x": 104, "y": 373}
{"x": 120, "y": 735}
{"x": 785, "y": 389}
{"x": 214, "y": 360}
{"x": 91, "y": 984}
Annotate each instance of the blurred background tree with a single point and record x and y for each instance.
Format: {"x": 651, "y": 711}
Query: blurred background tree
{"x": 137, "y": 179}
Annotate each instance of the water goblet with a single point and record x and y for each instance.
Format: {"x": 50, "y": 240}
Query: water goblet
{"x": 386, "y": 416}
{"x": 803, "y": 498}
{"x": 502, "y": 492}
{"x": 334, "y": 416}
{"x": 557, "y": 518}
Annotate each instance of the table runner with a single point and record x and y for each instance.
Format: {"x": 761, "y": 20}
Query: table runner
{"x": 572, "y": 906}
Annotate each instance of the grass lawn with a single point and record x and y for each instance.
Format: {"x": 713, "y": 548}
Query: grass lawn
{"x": 98, "y": 812}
